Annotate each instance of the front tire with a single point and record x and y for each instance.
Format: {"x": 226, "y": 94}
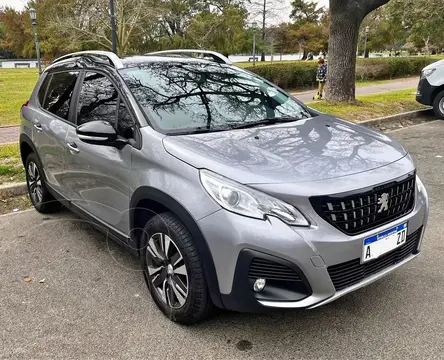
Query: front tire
{"x": 438, "y": 105}
{"x": 173, "y": 270}
{"x": 41, "y": 198}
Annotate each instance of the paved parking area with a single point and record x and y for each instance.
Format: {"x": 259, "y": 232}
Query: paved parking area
{"x": 93, "y": 303}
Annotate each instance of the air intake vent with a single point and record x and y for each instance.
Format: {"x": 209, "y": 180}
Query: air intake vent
{"x": 270, "y": 270}
{"x": 352, "y": 272}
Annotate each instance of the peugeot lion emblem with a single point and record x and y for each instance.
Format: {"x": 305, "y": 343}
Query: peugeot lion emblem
{"x": 384, "y": 202}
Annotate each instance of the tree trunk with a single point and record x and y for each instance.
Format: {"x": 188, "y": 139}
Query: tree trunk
{"x": 345, "y": 19}
{"x": 342, "y": 46}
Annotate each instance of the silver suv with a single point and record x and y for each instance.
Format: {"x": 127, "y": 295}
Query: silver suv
{"x": 231, "y": 192}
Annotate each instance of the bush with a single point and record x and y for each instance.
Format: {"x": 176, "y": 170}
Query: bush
{"x": 302, "y": 74}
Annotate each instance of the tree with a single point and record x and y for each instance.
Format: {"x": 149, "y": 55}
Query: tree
{"x": 267, "y": 11}
{"x": 345, "y": 19}
{"x": 308, "y": 37}
{"x": 221, "y": 30}
{"x": 422, "y": 20}
{"x": 87, "y": 24}
{"x": 303, "y": 10}
{"x": 308, "y": 31}
{"x": 17, "y": 32}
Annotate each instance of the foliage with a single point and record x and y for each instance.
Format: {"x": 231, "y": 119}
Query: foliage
{"x": 222, "y": 31}
{"x": 17, "y": 34}
{"x": 303, "y": 73}
{"x": 306, "y": 11}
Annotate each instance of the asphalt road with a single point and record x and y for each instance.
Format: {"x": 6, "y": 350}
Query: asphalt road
{"x": 93, "y": 303}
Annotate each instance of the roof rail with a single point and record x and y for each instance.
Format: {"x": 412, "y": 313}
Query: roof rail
{"x": 217, "y": 57}
{"x": 112, "y": 58}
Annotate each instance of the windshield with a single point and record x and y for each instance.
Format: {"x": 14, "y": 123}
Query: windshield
{"x": 206, "y": 96}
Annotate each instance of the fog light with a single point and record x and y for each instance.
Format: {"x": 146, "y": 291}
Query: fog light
{"x": 259, "y": 285}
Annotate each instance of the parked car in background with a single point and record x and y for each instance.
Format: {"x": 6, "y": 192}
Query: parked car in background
{"x": 230, "y": 191}
{"x": 431, "y": 87}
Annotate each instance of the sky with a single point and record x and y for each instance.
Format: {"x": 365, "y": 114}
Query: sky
{"x": 19, "y": 4}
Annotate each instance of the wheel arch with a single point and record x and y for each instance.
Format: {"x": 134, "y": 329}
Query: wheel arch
{"x": 27, "y": 147}
{"x": 436, "y": 92}
{"x": 147, "y": 202}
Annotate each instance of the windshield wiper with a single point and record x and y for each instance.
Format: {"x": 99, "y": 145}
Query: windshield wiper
{"x": 198, "y": 130}
{"x": 267, "y": 121}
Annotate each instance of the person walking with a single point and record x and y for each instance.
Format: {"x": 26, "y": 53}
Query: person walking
{"x": 321, "y": 78}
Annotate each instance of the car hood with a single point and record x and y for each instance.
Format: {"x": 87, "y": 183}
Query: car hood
{"x": 434, "y": 65}
{"x": 312, "y": 149}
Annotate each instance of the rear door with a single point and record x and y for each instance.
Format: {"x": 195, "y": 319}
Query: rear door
{"x": 51, "y": 123}
{"x": 99, "y": 175}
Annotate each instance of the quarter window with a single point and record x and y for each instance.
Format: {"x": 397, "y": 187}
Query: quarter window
{"x": 60, "y": 92}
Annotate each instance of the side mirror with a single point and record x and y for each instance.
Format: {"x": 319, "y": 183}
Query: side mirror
{"x": 97, "y": 133}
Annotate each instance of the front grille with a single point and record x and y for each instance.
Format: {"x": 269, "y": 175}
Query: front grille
{"x": 354, "y": 214}
{"x": 352, "y": 272}
{"x": 269, "y": 270}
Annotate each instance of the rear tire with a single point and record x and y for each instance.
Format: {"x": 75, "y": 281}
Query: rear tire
{"x": 41, "y": 198}
{"x": 438, "y": 105}
{"x": 173, "y": 270}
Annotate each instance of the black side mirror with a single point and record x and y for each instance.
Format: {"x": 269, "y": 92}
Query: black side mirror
{"x": 97, "y": 133}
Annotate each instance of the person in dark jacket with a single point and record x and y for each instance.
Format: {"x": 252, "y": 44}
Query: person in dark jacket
{"x": 321, "y": 78}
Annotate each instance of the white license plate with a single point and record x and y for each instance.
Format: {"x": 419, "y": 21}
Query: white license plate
{"x": 384, "y": 242}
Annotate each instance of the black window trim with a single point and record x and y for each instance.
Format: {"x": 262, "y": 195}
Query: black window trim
{"x": 46, "y": 81}
{"x": 67, "y": 121}
{"x": 120, "y": 96}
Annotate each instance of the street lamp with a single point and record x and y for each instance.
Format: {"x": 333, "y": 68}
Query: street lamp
{"x": 254, "y": 25}
{"x": 367, "y": 30}
{"x": 33, "y": 16}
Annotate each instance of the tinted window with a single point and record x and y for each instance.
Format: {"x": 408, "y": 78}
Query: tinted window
{"x": 179, "y": 95}
{"x": 59, "y": 93}
{"x": 42, "y": 90}
{"x": 97, "y": 100}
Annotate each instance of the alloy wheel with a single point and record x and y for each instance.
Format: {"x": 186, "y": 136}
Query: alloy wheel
{"x": 35, "y": 183}
{"x": 166, "y": 270}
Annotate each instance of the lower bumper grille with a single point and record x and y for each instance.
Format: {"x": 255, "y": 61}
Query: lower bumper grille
{"x": 261, "y": 268}
{"x": 352, "y": 272}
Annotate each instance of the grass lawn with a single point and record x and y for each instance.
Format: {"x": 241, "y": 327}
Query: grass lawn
{"x": 16, "y": 86}
{"x": 11, "y": 168}
{"x": 372, "y": 106}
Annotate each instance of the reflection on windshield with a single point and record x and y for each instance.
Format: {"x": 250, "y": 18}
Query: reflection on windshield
{"x": 200, "y": 95}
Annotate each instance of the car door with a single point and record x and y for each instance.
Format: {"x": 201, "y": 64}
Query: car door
{"x": 99, "y": 174}
{"x": 51, "y": 122}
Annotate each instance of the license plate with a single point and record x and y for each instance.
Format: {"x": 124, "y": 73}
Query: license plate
{"x": 384, "y": 242}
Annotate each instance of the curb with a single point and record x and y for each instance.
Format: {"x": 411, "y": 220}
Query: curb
{"x": 400, "y": 120}
{"x": 12, "y": 190}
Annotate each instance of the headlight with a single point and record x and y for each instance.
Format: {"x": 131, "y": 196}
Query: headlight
{"x": 420, "y": 185}
{"x": 427, "y": 73}
{"x": 243, "y": 200}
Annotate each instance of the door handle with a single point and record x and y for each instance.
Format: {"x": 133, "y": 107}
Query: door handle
{"x": 38, "y": 127}
{"x": 72, "y": 146}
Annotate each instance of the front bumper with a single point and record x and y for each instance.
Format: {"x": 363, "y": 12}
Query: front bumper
{"x": 310, "y": 250}
{"x": 424, "y": 92}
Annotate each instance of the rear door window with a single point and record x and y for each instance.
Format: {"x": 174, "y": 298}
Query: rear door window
{"x": 60, "y": 90}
